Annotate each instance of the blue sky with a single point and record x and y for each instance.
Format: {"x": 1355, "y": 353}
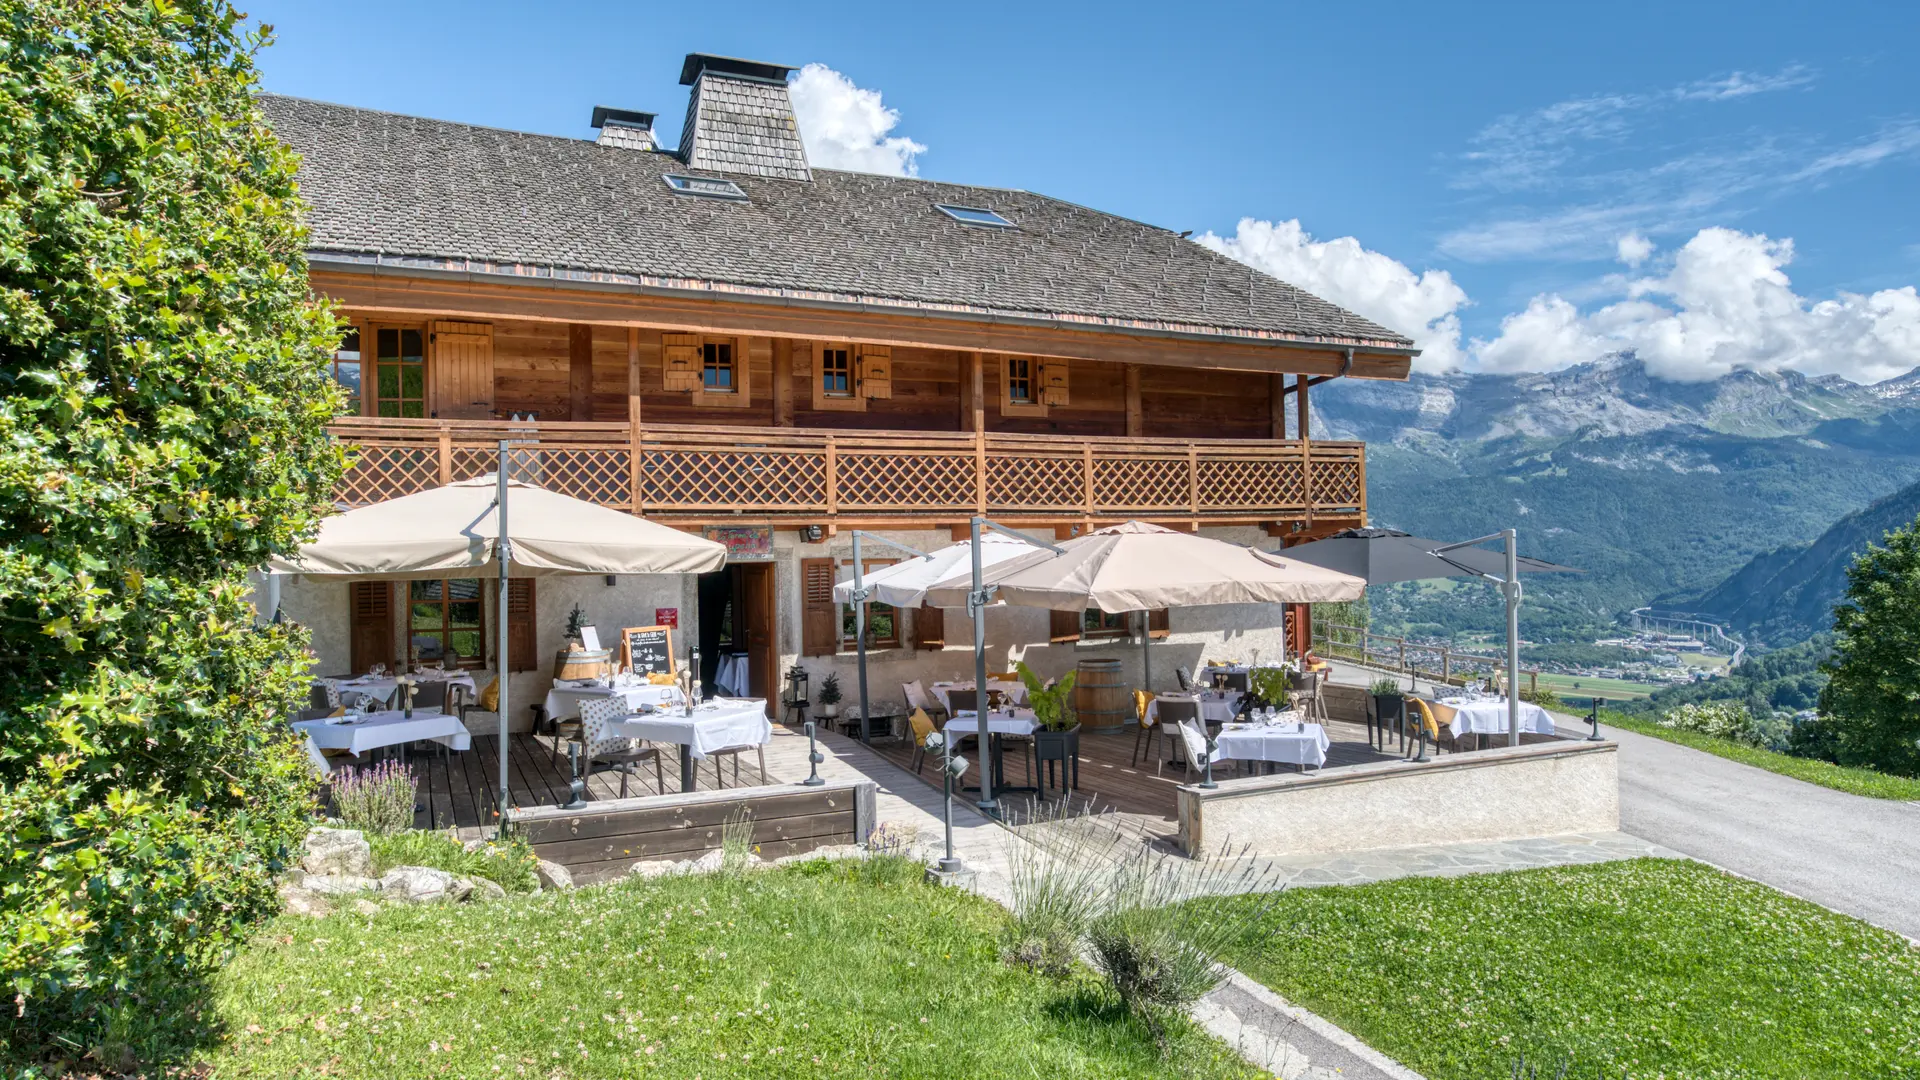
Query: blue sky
{"x": 1519, "y": 186}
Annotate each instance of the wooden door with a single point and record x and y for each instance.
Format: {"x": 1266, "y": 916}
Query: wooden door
{"x": 463, "y": 371}
{"x": 754, "y": 608}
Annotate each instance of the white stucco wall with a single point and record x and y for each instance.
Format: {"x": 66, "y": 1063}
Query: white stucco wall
{"x": 1507, "y": 793}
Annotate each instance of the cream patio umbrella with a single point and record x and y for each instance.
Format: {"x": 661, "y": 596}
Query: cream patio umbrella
{"x": 456, "y": 531}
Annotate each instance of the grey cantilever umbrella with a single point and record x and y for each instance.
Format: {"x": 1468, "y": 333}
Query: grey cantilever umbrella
{"x": 1384, "y": 555}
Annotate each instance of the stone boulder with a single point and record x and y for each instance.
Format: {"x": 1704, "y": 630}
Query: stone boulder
{"x": 338, "y": 884}
{"x": 420, "y": 885}
{"x": 554, "y": 876}
{"x": 298, "y": 901}
{"x": 336, "y": 851}
{"x": 485, "y": 889}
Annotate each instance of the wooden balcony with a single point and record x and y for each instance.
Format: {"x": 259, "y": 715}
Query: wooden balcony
{"x": 716, "y": 475}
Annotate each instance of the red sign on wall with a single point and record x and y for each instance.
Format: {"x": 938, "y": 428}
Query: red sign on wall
{"x": 666, "y": 616}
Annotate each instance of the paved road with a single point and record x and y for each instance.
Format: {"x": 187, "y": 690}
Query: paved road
{"x": 1849, "y": 853}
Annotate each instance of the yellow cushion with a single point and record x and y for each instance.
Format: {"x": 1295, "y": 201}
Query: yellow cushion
{"x": 341, "y": 711}
{"x": 490, "y": 697}
{"x": 1426, "y": 717}
{"x": 922, "y": 725}
{"x": 1140, "y": 700}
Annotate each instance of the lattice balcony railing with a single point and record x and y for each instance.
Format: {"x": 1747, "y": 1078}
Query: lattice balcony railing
{"x": 814, "y": 475}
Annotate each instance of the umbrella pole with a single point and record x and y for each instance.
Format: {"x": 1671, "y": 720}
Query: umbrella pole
{"x": 1146, "y": 659}
{"x": 1511, "y": 587}
{"x": 860, "y": 634}
{"x": 503, "y": 549}
{"x": 977, "y": 600}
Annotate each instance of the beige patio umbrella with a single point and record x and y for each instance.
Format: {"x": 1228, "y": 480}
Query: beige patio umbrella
{"x": 1135, "y": 566}
{"x": 453, "y": 531}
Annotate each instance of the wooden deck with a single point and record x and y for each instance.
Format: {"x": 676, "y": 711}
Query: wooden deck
{"x": 460, "y": 790}
{"x": 1108, "y": 780}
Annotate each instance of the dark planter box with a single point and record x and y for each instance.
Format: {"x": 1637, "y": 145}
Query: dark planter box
{"x": 1061, "y": 746}
{"x": 1389, "y": 709}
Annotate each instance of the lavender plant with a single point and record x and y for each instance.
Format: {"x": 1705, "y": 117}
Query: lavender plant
{"x": 377, "y": 800}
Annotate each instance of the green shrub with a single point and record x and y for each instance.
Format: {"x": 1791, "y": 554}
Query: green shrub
{"x": 1720, "y": 719}
{"x": 509, "y": 862}
{"x": 163, "y": 402}
{"x": 377, "y": 800}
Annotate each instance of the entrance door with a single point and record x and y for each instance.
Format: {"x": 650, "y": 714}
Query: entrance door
{"x": 754, "y": 601}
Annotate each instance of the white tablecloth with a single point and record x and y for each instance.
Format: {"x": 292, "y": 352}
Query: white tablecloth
{"x": 1489, "y": 717}
{"x": 998, "y": 723}
{"x": 390, "y": 728}
{"x": 382, "y": 688}
{"x": 1214, "y": 708}
{"x": 730, "y": 675}
{"x": 716, "y": 725}
{"x": 1287, "y": 744}
{"x": 563, "y": 702}
{"x": 1016, "y": 692}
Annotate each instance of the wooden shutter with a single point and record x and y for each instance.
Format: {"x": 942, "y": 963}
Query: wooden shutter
{"x": 1158, "y": 625}
{"x": 522, "y": 633}
{"x": 1053, "y": 382}
{"x": 819, "y": 615}
{"x": 876, "y": 371}
{"x": 1065, "y": 625}
{"x": 370, "y": 623}
{"x": 929, "y": 627}
{"x": 462, "y": 372}
{"x": 680, "y": 361}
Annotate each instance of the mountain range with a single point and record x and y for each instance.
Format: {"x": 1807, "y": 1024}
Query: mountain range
{"x": 1658, "y": 489}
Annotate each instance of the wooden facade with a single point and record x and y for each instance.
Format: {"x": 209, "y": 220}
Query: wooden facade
{"x": 700, "y": 416}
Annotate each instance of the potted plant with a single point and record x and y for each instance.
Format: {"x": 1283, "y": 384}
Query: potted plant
{"x": 828, "y": 706}
{"x": 1389, "y": 702}
{"x": 1058, "y": 737}
{"x": 1268, "y": 688}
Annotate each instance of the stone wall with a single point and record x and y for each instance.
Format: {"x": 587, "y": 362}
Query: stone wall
{"x": 1507, "y": 793}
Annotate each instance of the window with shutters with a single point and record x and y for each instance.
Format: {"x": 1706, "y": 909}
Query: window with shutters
{"x": 715, "y": 370}
{"x": 369, "y": 624}
{"x": 819, "y": 622}
{"x": 873, "y": 372}
{"x": 400, "y": 371}
{"x": 523, "y": 641}
{"x": 716, "y": 367}
{"x": 346, "y": 370}
{"x": 883, "y": 620}
{"x": 1096, "y": 625}
{"x": 929, "y": 627}
{"x": 836, "y": 381}
{"x": 446, "y": 621}
{"x": 1020, "y": 387}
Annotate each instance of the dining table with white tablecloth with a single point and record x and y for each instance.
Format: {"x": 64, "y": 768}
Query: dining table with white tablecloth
{"x": 1488, "y": 716}
{"x": 359, "y": 733}
{"x": 1287, "y": 742}
{"x": 565, "y": 698}
{"x": 1216, "y": 706}
{"x": 719, "y": 724}
{"x": 381, "y": 687}
{"x": 1015, "y": 692}
{"x": 1000, "y": 722}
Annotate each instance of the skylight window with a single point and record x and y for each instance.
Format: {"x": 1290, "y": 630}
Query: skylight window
{"x": 705, "y": 186}
{"x": 974, "y": 215}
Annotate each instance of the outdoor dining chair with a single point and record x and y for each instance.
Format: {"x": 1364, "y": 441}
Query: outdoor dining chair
{"x": 1175, "y": 713}
{"x": 429, "y": 695}
{"x": 1185, "y": 677}
{"x": 922, "y": 726}
{"x": 613, "y": 753}
{"x": 962, "y": 701}
{"x": 919, "y": 697}
{"x": 323, "y": 696}
{"x": 1309, "y": 694}
{"x": 733, "y": 753}
{"x": 1238, "y": 680}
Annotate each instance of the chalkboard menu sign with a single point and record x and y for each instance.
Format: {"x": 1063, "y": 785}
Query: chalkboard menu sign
{"x": 648, "y": 650}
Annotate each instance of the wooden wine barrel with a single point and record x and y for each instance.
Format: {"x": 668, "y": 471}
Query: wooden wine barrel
{"x": 1102, "y": 697}
{"x": 578, "y": 663}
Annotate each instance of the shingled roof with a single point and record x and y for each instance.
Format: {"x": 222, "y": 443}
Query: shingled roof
{"x": 432, "y": 194}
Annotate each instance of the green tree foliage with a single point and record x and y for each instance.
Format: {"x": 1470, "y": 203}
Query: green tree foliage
{"x": 1785, "y": 680}
{"x": 1873, "y": 693}
{"x": 163, "y": 399}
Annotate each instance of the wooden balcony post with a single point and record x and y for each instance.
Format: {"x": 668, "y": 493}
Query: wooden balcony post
{"x": 634, "y": 456}
{"x": 833, "y": 476}
{"x": 446, "y": 456}
{"x": 1193, "y": 479}
{"x": 1086, "y": 474}
{"x": 1276, "y": 407}
{"x": 1306, "y": 473}
{"x": 1136, "y": 415}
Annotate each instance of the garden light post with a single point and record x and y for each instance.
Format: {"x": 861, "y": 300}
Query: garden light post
{"x": 860, "y": 593}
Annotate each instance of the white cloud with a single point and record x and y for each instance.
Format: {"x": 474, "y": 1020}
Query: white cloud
{"x": 1423, "y": 306}
{"x": 845, "y": 127}
{"x": 1743, "y": 83}
{"x": 1633, "y": 248}
{"x": 1726, "y": 304}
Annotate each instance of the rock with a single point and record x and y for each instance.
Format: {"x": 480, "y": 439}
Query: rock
{"x": 366, "y": 907}
{"x": 653, "y": 868}
{"x": 485, "y": 889}
{"x": 336, "y": 851}
{"x": 338, "y": 884}
{"x": 707, "y": 864}
{"x": 554, "y": 876}
{"x": 417, "y": 884}
{"x": 298, "y": 901}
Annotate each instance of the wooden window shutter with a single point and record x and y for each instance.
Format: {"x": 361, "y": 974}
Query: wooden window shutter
{"x": 370, "y": 624}
{"x": 1158, "y": 626}
{"x": 876, "y": 371}
{"x": 1064, "y": 625}
{"x": 1053, "y": 382}
{"x": 462, "y": 370}
{"x": 522, "y": 633}
{"x": 929, "y": 627}
{"x": 819, "y": 615}
{"x": 680, "y": 361}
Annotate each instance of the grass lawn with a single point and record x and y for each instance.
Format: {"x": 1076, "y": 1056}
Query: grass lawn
{"x": 817, "y": 969}
{"x": 1661, "y": 968}
{"x": 1586, "y": 686}
{"x": 1874, "y": 785}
